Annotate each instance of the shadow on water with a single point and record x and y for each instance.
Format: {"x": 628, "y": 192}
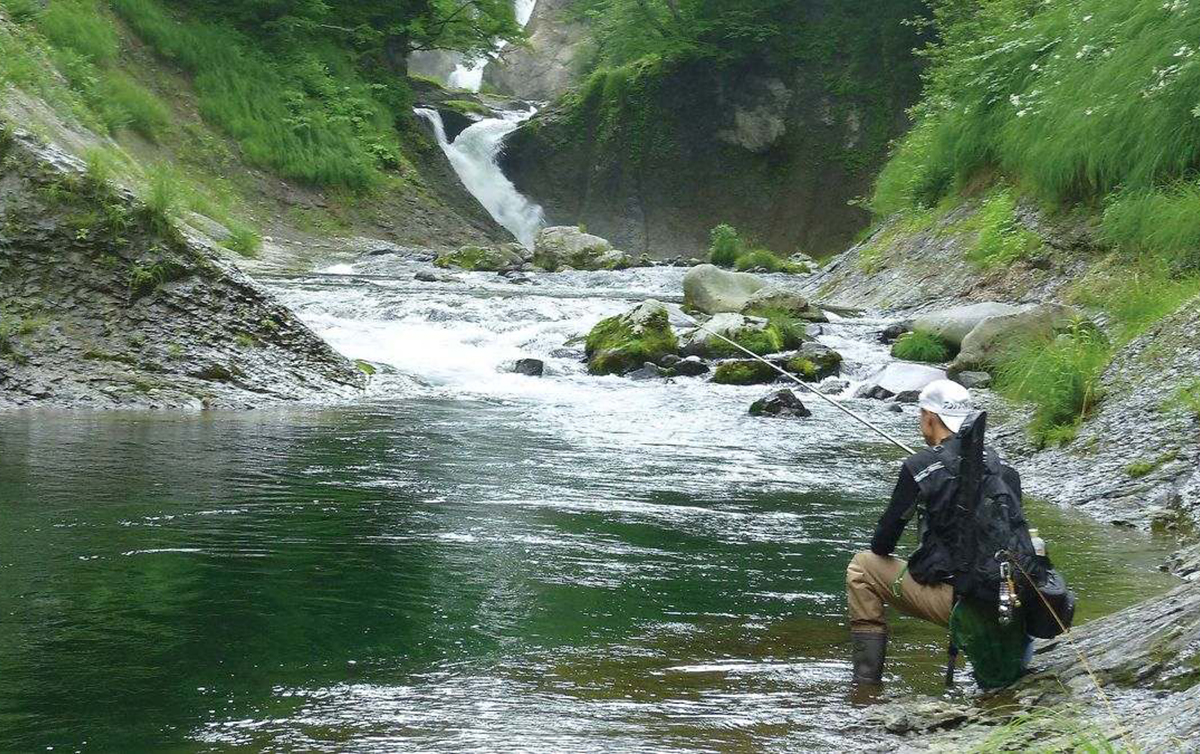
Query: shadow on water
{"x": 467, "y": 561}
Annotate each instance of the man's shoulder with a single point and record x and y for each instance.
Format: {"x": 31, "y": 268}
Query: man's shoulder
{"x": 926, "y": 462}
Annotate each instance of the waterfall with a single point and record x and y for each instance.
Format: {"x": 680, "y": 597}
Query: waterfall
{"x": 473, "y": 155}
{"x": 470, "y": 76}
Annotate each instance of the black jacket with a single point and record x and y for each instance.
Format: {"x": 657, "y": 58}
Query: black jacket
{"x": 928, "y": 487}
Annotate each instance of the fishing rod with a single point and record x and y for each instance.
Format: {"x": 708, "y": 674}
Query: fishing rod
{"x": 812, "y": 390}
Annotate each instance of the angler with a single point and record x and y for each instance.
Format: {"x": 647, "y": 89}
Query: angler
{"x": 977, "y": 569}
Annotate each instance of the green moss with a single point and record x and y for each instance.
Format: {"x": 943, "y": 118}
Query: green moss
{"x": 1188, "y": 398}
{"x": 614, "y": 346}
{"x": 466, "y": 107}
{"x": 1139, "y": 469}
{"x": 744, "y": 372}
{"x": 474, "y": 258}
{"x": 922, "y": 346}
{"x": 366, "y": 367}
{"x": 803, "y": 368}
{"x": 1000, "y": 238}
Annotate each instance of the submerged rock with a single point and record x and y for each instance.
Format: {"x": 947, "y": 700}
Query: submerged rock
{"x": 781, "y": 404}
{"x": 530, "y": 367}
{"x": 481, "y": 259}
{"x": 562, "y": 247}
{"x": 649, "y": 371}
{"x": 692, "y": 366}
{"x": 709, "y": 289}
{"x": 621, "y": 344}
{"x": 744, "y": 372}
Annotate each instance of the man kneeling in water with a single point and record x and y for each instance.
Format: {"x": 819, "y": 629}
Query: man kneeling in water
{"x": 928, "y": 487}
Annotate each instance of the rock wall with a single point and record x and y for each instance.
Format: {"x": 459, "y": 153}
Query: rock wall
{"x": 654, "y": 155}
{"x": 544, "y": 68}
{"x": 105, "y": 303}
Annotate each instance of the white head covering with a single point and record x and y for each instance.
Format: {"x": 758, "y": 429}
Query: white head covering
{"x": 950, "y": 401}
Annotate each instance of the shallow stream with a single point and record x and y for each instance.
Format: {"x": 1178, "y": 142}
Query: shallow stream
{"x": 467, "y": 559}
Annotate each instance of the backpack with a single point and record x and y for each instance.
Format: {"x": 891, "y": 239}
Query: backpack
{"x": 1003, "y": 590}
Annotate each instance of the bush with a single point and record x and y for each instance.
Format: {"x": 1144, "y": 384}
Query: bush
{"x": 764, "y": 259}
{"x": 922, "y": 346}
{"x": 725, "y": 246}
{"x": 1060, "y": 376}
{"x": 243, "y": 240}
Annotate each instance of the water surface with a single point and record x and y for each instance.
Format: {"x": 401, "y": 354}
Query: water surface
{"x": 466, "y": 560}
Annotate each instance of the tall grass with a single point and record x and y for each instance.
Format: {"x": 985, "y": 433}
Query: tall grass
{"x": 302, "y": 113}
{"x": 921, "y": 346}
{"x": 726, "y": 246}
{"x": 1060, "y": 376}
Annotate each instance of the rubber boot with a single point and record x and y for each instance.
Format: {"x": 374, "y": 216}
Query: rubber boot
{"x": 870, "y": 651}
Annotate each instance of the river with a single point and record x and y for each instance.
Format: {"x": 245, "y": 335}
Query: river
{"x": 466, "y": 559}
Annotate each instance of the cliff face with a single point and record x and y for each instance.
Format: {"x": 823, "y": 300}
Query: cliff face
{"x": 653, "y": 156}
{"x": 106, "y": 303}
{"x": 544, "y": 68}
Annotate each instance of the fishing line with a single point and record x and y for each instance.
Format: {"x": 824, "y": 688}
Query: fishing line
{"x": 812, "y": 390}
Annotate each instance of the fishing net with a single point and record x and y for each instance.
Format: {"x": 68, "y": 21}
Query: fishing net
{"x": 996, "y": 651}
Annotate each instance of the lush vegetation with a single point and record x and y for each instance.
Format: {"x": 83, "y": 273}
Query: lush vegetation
{"x": 728, "y": 249}
{"x": 1091, "y": 107}
{"x": 922, "y": 346}
{"x": 1060, "y": 376}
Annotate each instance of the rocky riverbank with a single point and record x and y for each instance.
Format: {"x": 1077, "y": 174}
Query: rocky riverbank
{"x": 107, "y": 303}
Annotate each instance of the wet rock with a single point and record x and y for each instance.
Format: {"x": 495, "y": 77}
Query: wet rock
{"x": 895, "y": 408}
{"x": 781, "y": 404}
{"x": 774, "y": 298}
{"x": 812, "y": 362}
{"x": 429, "y": 277}
{"x": 530, "y": 367}
{"x": 986, "y": 343}
{"x": 649, "y": 371}
{"x": 952, "y": 325}
{"x": 621, "y": 344}
{"x": 892, "y": 333}
{"x": 480, "y": 259}
{"x": 709, "y": 289}
{"x": 744, "y": 372}
{"x": 669, "y": 360}
{"x": 898, "y": 378}
{"x": 974, "y": 380}
{"x": 833, "y": 387}
{"x": 759, "y": 336}
{"x": 692, "y": 366}
{"x": 564, "y": 247}
{"x": 516, "y": 277}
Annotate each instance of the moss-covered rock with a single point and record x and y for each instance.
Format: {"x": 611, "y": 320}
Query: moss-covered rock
{"x": 744, "y": 372}
{"x": 813, "y": 362}
{"x": 622, "y": 344}
{"x": 480, "y": 258}
{"x": 563, "y": 247}
{"x": 759, "y": 336}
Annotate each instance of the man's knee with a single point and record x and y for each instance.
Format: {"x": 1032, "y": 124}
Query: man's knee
{"x": 861, "y": 564}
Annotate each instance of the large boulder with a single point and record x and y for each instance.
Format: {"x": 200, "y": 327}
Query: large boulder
{"x": 953, "y": 325}
{"x": 481, "y": 258}
{"x": 899, "y": 379}
{"x": 709, "y": 289}
{"x": 772, "y": 299}
{"x": 562, "y": 247}
{"x": 759, "y": 336}
{"x": 985, "y": 345}
{"x": 622, "y": 344}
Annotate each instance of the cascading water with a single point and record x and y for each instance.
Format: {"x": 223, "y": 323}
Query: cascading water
{"x": 470, "y": 76}
{"x": 473, "y": 155}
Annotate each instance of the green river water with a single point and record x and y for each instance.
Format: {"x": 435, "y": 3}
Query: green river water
{"x": 463, "y": 561}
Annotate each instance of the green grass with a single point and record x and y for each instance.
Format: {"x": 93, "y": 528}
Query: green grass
{"x": 921, "y": 346}
{"x": 725, "y": 246}
{"x": 1187, "y": 398}
{"x": 13, "y": 329}
{"x": 1048, "y": 730}
{"x": 1001, "y": 238}
{"x": 78, "y": 25}
{"x": 131, "y": 105}
{"x": 1135, "y": 293}
{"x": 243, "y": 240}
{"x": 1160, "y": 222}
{"x": 1060, "y": 376}
{"x": 763, "y": 259}
{"x": 1139, "y": 469}
{"x": 303, "y": 113}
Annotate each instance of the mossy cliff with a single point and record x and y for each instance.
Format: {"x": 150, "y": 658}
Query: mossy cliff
{"x": 655, "y": 153}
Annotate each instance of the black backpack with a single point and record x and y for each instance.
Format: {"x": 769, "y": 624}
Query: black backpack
{"x": 995, "y": 559}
